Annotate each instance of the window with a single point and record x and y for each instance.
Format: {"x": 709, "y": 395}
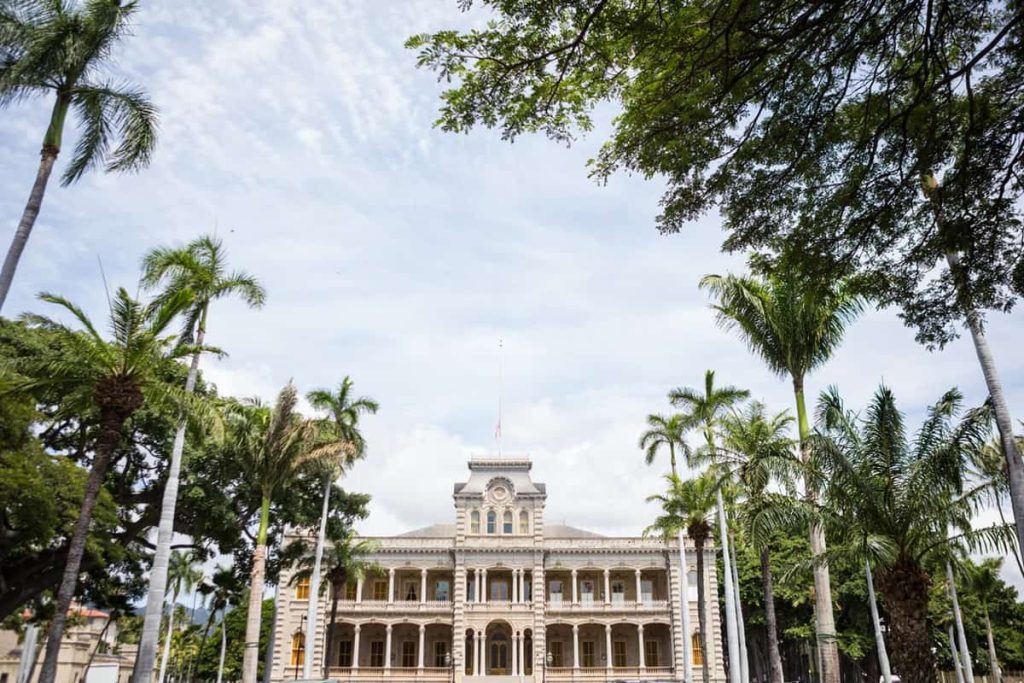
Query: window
{"x": 698, "y": 651}
{"x": 377, "y": 654}
{"x": 524, "y": 522}
{"x": 441, "y": 591}
{"x": 587, "y": 651}
{"x": 555, "y": 590}
{"x": 557, "y": 659}
{"x": 411, "y": 591}
{"x": 618, "y": 592}
{"x": 527, "y": 590}
{"x": 474, "y": 522}
{"x": 350, "y": 590}
{"x": 491, "y": 521}
{"x": 647, "y": 591}
{"x": 298, "y": 649}
{"x": 651, "y": 653}
{"x": 499, "y": 591}
{"x": 506, "y": 525}
{"x": 345, "y": 654}
{"x": 619, "y": 654}
{"x": 380, "y": 590}
{"x": 587, "y": 592}
{"x": 302, "y": 589}
{"x": 440, "y": 652}
{"x": 471, "y": 591}
{"x": 408, "y": 654}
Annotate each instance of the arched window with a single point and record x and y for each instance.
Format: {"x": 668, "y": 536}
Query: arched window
{"x": 298, "y": 649}
{"x": 491, "y": 521}
{"x": 698, "y": 651}
{"x": 506, "y": 525}
{"x": 302, "y": 589}
{"x": 474, "y": 522}
{"x": 524, "y": 522}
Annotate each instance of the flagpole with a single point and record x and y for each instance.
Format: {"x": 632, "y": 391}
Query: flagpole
{"x": 497, "y": 432}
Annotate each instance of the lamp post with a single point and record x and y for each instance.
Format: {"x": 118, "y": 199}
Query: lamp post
{"x": 302, "y": 649}
{"x": 548, "y": 658}
{"x": 450, "y": 663}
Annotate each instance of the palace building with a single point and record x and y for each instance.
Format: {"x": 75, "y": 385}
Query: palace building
{"x": 503, "y": 596}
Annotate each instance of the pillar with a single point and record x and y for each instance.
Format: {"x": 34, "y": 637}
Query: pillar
{"x": 522, "y": 585}
{"x": 419, "y": 651}
{"x": 515, "y": 654}
{"x": 387, "y": 646}
{"x": 423, "y": 586}
{"x": 607, "y": 587}
{"x": 483, "y": 585}
{"x": 522, "y": 654}
{"x": 608, "y": 644}
{"x": 391, "y": 585}
{"x": 476, "y": 587}
{"x": 575, "y": 599}
{"x": 575, "y": 645}
{"x": 640, "y": 645}
{"x": 515, "y": 586}
{"x": 639, "y": 596}
{"x": 355, "y": 648}
{"x": 479, "y": 654}
{"x": 359, "y": 589}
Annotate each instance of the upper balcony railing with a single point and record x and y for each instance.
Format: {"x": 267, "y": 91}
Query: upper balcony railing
{"x": 644, "y": 605}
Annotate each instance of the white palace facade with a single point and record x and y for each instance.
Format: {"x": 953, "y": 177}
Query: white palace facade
{"x": 501, "y": 595}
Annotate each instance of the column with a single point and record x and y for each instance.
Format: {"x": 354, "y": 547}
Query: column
{"x": 476, "y": 586}
{"x": 359, "y": 589}
{"x": 640, "y": 645}
{"x": 483, "y": 585}
{"x": 608, "y": 644}
{"x": 419, "y": 651}
{"x": 387, "y": 647}
{"x": 575, "y": 600}
{"x": 607, "y": 587}
{"x": 522, "y": 654}
{"x": 515, "y": 586}
{"x": 515, "y": 654}
{"x": 355, "y": 648}
{"x": 522, "y": 585}
{"x": 391, "y": 585}
{"x": 639, "y": 597}
{"x": 575, "y": 645}
{"x": 423, "y": 586}
{"x": 479, "y": 654}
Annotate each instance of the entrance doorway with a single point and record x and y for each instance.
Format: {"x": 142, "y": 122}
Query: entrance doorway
{"x": 498, "y": 655}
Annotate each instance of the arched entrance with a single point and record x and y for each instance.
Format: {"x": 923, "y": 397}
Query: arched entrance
{"x": 499, "y": 649}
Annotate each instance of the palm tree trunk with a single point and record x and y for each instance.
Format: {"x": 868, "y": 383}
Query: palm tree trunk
{"x": 166, "y": 655}
{"x": 702, "y": 615}
{"x": 993, "y": 659}
{"x": 1014, "y": 547}
{"x": 99, "y": 642}
{"x": 684, "y": 609}
{"x": 672, "y": 458}
{"x": 905, "y": 592}
{"x": 883, "y": 655}
{"x": 771, "y": 623}
{"x": 111, "y": 422}
{"x": 965, "y": 652}
{"x": 48, "y": 156}
{"x": 330, "y": 631}
{"x": 165, "y": 533}
{"x": 741, "y": 627}
{"x": 956, "y": 657}
{"x": 223, "y": 647}
{"x": 314, "y": 584}
{"x": 250, "y": 657}
{"x": 730, "y": 598}
{"x": 825, "y": 624}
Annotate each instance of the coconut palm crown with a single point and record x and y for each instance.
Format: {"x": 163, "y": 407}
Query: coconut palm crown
{"x": 665, "y": 432}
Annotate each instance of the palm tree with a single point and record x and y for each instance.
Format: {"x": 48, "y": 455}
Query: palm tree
{"x": 346, "y": 560}
{"x": 703, "y": 409}
{"x": 688, "y": 505}
{"x": 183, "y": 576}
{"x": 983, "y": 581}
{"x": 103, "y": 383}
{"x": 897, "y": 497}
{"x": 222, "y": 590}
{"x": 198, "y": 270}
{"x": 273, "y": 447}
{"x": 666, "y": 432}
{"x": 342, "y": 425}
{"x": 756, "y": 450}
{"x": 794, "y": 326}
{"x": 56, "y": 47}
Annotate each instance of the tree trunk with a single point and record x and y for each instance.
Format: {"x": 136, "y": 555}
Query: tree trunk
{"x": 993, "y": 659}
{"x": 166, "y": 655}
{"x": 250, "y": 658}
{"x": 770, "y": 621}
{"x": 99, "y": 642}
{"x": 314, "y": 585}
{"x": 965, "y": 652}
{"x": 741, "y": 626}
{"x": 48, "y": 156}
{"x": 165, "y": 533}
{"x": 904, "y": 588}
{"x": 702, "y": 612}
{"x": 825, "y": 624}
{"x": 684, "y": 610}
{"x": 672, "y": 458}
{"x": 330, "y": 631}
{"x": 957, "y": 666}
{"x": 883, "y": 655}
{"x": 730, "y": 597}
{"x": 268, "y": 655}
{"x": 112, "y": 419}
{"x": 223, "y": 647}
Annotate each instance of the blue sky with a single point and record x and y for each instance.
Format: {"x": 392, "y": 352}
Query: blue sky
{"x": 398, "y": 254}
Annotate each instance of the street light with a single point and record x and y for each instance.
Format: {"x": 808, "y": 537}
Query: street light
{"x": 450, "y": 663}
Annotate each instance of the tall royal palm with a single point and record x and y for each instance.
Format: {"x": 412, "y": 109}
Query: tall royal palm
{"x": 794, "y": 326}
{"x": 341, "y": 425}
{"x": 703, "y": 409}
{"x": 199, "y": 272}
{"x": 689, "y": 505}
{"x": 983, "y": 581}
{"x": 56, "y": 48}
{"x": 103, "y": 382}
{"x": 273, "y": 447}
{"x": 754, "y": 452}
{"x": 183, "y": 576}
{"x": 665, "y": 432}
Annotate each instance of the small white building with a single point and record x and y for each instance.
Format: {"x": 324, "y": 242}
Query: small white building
{"x": 499, "y": 594}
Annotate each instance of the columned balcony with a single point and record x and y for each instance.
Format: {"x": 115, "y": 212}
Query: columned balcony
{"x": 426, "y": 674}
{"x": 607, "y": 674}
{"x": 615, "y": 607}
{"x": 349, "y": 607}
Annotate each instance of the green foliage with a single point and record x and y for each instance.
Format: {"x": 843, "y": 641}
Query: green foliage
{"x": 234, "y": 622}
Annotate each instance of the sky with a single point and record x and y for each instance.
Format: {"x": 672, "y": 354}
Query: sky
{"x": 301, "y": 134}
